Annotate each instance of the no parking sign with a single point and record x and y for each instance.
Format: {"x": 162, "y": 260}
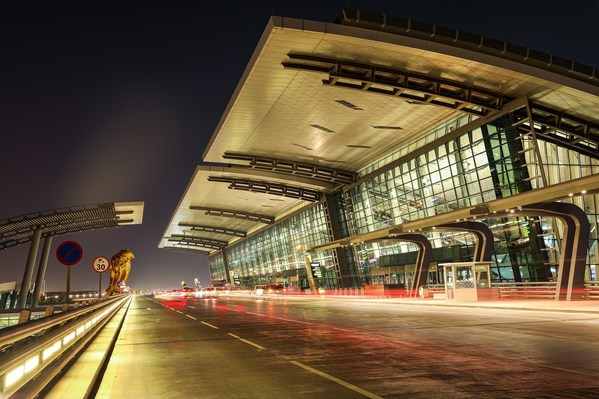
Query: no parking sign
{"x": 69, "y": 253}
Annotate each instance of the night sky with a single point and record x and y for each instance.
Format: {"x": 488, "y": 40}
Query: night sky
{"x": 116, "y": 101}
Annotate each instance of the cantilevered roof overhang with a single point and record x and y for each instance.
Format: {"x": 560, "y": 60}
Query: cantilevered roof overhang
{"x": 332, "y": 98}
{"x": 225, "y": 203}
{"x": 20, "y": 229}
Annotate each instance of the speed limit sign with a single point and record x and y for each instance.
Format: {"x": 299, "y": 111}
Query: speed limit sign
{"x": 101, "y": 264}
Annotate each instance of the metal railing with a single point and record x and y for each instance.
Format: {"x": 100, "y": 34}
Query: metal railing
{"x": 33, "y": 353}
{"x": 545, "y": 290}
{"x": 591, "y": 290}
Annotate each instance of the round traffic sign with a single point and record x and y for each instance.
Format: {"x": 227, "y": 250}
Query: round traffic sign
{"x": 69, "y": 252}
{"x": 101, "y": 264}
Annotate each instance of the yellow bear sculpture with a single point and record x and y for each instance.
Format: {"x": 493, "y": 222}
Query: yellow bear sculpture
{"x": 120, "y": 267}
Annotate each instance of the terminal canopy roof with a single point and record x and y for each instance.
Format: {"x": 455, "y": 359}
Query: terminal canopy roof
{"x": 20, "y": 229}
{"x": 318, "y": 102}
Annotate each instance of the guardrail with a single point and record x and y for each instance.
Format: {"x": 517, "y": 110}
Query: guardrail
{"x": 33, "y": 353}
{"x": 591, "y": 290}
{"x": 545, "y": 290}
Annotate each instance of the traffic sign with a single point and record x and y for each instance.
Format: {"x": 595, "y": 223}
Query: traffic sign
{"x": 101, "y": 264}
{"x": 69, "y": 253}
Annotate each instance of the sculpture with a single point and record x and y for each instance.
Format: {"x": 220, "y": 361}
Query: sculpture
{"x": 120, "y": 267}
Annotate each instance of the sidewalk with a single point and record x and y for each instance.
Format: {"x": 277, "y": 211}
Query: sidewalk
{"x": 549, "y": 305}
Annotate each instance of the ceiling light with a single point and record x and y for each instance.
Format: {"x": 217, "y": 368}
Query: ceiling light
{"x": 387, "y": 127}
{"x": 302, "y": 146}
{"x": 349, "y": 105}
{"x": 324, "y": 129}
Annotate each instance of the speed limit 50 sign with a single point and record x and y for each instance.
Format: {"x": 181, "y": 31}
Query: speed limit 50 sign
{"x": 101, "y": 264}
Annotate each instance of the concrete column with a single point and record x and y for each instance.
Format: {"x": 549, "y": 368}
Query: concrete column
{"x": 22, "y": 301}
{"x": 41, "y": 272}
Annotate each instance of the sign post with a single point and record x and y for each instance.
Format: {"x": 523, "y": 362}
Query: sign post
{"x": 69, "y": 253}
{"x": 100, "y": 265}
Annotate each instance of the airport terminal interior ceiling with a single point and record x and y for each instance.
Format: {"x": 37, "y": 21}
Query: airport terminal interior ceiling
{"x": 426, "y": 128}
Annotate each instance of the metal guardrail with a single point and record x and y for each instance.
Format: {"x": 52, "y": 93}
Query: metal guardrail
{"x": 591, "y": 290}
{"x": 33, "y": 353}
{"x": 546, "y": 290}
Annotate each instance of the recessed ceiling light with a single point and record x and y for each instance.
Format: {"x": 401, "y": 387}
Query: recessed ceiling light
{"x": 349, "y": 105}
{"x": 302, "y": 146}
{"x": 387, "y": 127}
{"x": 324, "y": 129}
{"x": 276, "y": 199}
{"x": 357, "y": 146}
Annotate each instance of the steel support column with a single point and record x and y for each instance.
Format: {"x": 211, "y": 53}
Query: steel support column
{"x": 24, "y": 292}
{"x": 41, "y": 272}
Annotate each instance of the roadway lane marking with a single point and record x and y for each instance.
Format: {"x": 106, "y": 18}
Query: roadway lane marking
{"x": 178, "y": 311}
{"x": 337, "y": 380}
{"x": 246, "y": 341}
{"x": 294, "y": 321}
{"x": 210, "y": 325}
{"x": 191, "y": 317}
{"x": 191, "y": 307}
{"x": 591, "y": 321}
{"x": 256, "y": 314}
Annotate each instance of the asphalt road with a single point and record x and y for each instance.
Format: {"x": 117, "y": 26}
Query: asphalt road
{"x": 248, "y": 348}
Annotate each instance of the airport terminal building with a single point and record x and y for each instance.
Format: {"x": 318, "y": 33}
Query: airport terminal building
{"x": 375, "y": 150}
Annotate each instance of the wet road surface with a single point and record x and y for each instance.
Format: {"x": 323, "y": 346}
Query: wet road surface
{"x": 248, "y": 348}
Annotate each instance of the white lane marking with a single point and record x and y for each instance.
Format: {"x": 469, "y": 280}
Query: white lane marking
{"x": 178, "y": 311}
{"x": 294, "y": 321}
{"x": 582, "y": 321}
{"x": 246, "y": 341}
{"x": 256, "y": 314}
{"x": 191, "y": 307}
{"x": 210, "y": 325}
{"x": 337, "y": 380}
{"x": 191, "y": 317}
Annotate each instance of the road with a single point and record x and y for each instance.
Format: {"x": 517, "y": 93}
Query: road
{"x": 280, "y": 348}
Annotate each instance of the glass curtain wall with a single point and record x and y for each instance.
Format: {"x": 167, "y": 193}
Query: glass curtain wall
{"x": 562, "y": 164}
{"x": 217, "y": 269}
{"x": 482, "y": 165}
{"x": 277, "y": 253}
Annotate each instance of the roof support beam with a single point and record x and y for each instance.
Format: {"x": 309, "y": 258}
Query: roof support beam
{"x": 408, "y": 85}
{"x": 192, "y": 244}
{"x": 268, "y": 188}
{"x": 216, "y": 230}
{"x": 228, "y": 213}
{"x": 182, "y": 237}
{"x": 319, "y": 172}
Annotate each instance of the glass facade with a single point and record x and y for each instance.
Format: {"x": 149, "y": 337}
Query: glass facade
{"x": 488, "y": 162}
{"x": 277, "y": 254}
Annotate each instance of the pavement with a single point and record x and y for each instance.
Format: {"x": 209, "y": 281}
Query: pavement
{"x": 549, "y": 305}
{"x": 76, "y": 381}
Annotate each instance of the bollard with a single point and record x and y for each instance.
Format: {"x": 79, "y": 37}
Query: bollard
{"x": 24, "y": 316}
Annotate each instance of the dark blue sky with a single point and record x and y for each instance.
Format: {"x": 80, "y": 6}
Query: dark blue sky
{"x": 115, "y": 101}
